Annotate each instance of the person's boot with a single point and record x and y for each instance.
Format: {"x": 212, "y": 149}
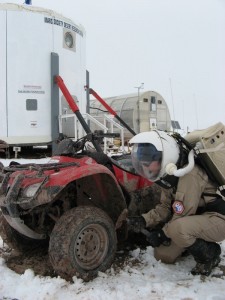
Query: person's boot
{"x": 207, "y": 256}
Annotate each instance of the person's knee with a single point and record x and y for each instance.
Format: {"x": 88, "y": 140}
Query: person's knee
{"x": 164, "y": 257}
{"x": 167, "y": 254}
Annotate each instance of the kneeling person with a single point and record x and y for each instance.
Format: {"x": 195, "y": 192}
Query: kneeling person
{"x": 190, "y": 215}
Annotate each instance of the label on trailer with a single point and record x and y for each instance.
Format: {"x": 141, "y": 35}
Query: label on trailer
{"x": 31, "y": 89}
{"x": 63, "y": 24}
{"x": 33, "y": 124}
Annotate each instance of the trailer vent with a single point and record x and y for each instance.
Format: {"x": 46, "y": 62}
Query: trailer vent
{"x": 31, "y": 104}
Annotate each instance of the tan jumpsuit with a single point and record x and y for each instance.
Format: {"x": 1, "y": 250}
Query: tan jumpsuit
{"x": 178, "y": 214}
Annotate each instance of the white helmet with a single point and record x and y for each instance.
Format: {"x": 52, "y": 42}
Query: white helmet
{"x": 152, "y": 152}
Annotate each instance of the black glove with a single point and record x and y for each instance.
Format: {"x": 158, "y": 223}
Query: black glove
{"x": 136, "y": 223}
{"x": 157, "y": 237}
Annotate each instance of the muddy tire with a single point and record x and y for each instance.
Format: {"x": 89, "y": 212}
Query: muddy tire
{"x": 15, "y": 240}
{"x": 82, "y": 243}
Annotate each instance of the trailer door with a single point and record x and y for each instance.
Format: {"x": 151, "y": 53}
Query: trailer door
{"x": 153, "y": 124}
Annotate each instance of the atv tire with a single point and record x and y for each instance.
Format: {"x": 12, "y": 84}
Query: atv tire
{"x": 82, "y": 243}
{"x": 15, "y": 240}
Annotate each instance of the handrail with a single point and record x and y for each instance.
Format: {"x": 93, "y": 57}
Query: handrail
{"x": 99, "y": 124}
{"x": 111, "y": 111}
{"x": 75, "y": 109}
{"x": 81, "y": 118}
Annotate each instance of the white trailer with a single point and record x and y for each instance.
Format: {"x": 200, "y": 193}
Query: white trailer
{"x": 37, "y": 44}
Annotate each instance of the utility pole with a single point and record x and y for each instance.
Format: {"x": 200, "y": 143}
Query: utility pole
{"x": 172, "y": 101}
{"x": 138, "y": 105}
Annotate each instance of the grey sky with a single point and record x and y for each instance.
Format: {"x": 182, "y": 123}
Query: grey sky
{"x": 176, "y": 47}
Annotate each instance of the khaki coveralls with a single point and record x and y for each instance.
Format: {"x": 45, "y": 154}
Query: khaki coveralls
{"x": 178, "y": 214}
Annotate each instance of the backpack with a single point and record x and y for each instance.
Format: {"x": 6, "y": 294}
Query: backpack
{"x": 209, "y": 147}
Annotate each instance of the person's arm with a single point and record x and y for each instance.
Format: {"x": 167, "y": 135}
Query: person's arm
{"x": 162, "y": 212}
{"x": 155, "y": 216}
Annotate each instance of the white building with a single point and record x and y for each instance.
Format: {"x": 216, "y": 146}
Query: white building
{"x": 37, "y": 44}
{"x": 143, "y": 112}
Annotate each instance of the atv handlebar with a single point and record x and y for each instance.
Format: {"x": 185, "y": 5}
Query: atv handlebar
{"x": 106, "y": 134}
{"x": 70, "y": 147}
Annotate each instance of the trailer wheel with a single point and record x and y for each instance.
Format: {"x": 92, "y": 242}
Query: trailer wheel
{"x": 16, "y": 240}
{"x": 82, "y": 243}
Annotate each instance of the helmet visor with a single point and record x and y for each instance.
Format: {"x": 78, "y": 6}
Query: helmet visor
{"x": 147, "y": 160}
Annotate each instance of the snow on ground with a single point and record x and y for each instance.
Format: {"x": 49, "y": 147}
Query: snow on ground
{"x": 147, "y": 279}
{"x": 140, "y": 277}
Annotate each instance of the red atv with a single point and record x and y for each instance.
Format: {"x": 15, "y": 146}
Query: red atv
{"x": 76, "y": 204}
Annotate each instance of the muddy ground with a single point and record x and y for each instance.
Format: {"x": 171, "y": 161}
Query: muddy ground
{"x": 38, "y": 260}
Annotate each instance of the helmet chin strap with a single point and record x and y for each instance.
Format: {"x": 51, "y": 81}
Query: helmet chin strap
{"x": 171, "y": 169}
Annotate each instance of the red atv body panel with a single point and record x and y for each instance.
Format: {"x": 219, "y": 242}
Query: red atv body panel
{"x": 130, "y": 181}
{"x": 63, "y": 183}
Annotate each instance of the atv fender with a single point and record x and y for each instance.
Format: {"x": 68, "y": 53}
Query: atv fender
{"x": 95, "y": 186}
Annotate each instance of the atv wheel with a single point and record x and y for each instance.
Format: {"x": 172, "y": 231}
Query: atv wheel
{"x": 16, "y": 240}
{"x": 82, "y": 243}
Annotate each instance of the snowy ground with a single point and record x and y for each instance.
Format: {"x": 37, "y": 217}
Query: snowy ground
{"x": 139, "y": 277}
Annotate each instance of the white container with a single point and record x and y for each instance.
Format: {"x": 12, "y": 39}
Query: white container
{"x": 28, "y": 37}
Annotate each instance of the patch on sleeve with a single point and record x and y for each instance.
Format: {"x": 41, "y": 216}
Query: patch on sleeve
{"x": 178, "y": 207}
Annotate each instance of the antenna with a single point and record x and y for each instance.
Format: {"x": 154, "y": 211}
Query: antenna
{"x": 196, "y": 110}
{"x": 138, "y": 105}
{"x": 172, "y": 99}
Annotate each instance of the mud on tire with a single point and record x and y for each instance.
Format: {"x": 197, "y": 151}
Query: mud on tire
{"x": 82, "y": 243}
